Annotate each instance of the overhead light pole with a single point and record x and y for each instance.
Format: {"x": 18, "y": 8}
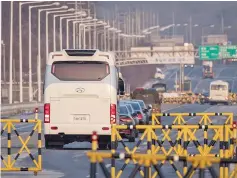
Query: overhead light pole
{"x": 60, "y": 25}
{"x": 20, "y": 48}
{"x": 75, "y": 21}
{"x": 47, "y": 26}
{"x": 30, "y": 52}
{"x": 71, "y": 15}
{"x": 203, "y": 28}
{"x": 11, "y": 50}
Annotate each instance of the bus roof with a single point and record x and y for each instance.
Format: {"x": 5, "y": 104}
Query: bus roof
{"x": 85, "y": 54}
{"x": 217, "y": 82}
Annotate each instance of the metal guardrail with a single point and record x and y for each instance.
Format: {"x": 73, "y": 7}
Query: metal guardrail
{"x": 18, "y": 107}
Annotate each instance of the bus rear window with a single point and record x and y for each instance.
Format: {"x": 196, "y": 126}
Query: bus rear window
{"x": 80, "y": 70}
{"x": 218, "y": 87}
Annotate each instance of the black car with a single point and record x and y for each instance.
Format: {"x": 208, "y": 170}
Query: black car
{"x": 130, "y": 134}
{"x": 204, "y": 98}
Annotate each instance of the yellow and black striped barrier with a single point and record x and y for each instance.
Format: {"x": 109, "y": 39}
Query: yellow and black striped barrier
{"x": 185, "y": 135}
{"x": 152, "y": 160}
{"x": 179, "y": 146}
{"x": 179, "y": 118}
{"x": 9, "y": 163}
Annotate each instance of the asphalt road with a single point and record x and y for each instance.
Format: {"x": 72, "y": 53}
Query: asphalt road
{"x": 72, "y": 161}
{"x": 222, "y": 72}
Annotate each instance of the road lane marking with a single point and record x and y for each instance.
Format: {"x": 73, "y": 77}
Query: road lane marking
{"x": 95, "y": 173}
{"x": 79, "y": 155}
{"x": 108, "y": 165}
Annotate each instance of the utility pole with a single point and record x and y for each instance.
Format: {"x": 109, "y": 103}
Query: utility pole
{"x": 89, "y": 28}
{"x": 176, "y": 82}
{"x": 222, "y": 23}
{"x": 173, "y": 24}
{"x": 190, "y": 30}
{"x": 11, "y": 53}
{"x": 158, "y": 23}
{"x": 76, "y": 27}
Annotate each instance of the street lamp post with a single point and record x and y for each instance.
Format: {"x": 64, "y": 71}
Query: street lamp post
{"x": 20, "y": 48}
{"x": 99, "y": 23}
{"x": 47, "y": 25}
{"x": 11, "y": 49}
{"x": 4, "y": 61}
{"x": 75, "y": 21}
{"x": 105, "y": 44}
{"x": 88, "y": 19}
{"x": 30, "y": 52}
{"x": 203, "y": 28}
{"x": 70, "y": 18}
{"x": 54, "y": 24}
{"x": 39, "y": 51}
{"x": 75, "y": 14}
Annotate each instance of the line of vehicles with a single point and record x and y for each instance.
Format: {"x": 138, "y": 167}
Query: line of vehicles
{"x": 81, "y": 95}
{"x": 133, "y": 112}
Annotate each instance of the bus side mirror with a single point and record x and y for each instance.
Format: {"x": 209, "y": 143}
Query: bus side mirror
{"x": 121, "y": 87}
{"x": 229, "y": 90}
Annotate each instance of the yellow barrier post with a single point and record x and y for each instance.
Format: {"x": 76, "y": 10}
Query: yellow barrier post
{"x": 221, "y": 153}
{"x": 185, "y": 152}
{"x": 39, "y": 145}
{"x": 36, "y": 113}
{"x": 94, "y": 139}
{"x": 9, "y": 144}
{"x": 113, "y": 148}
{"x": 9, "y": 165}
{"x": 147, "y": 168}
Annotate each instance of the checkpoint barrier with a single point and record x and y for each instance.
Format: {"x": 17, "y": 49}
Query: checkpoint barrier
{"x": 9, "y": 127}
{"x": 179, "y": 146}
{"x": 233, "y": 98}
{"x": 224, "y": 134}
{"x": 152, "y": 160}
{"x": 205, "y": 117}
{"x": 183, "y": 98}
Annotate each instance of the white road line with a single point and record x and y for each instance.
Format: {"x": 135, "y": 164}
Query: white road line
{"x": 189, "y": 73}
{"x": 79, "y": 155}
{"x": 176, "y": 70}
{"x": 95, "y": 173}
{"x": 108, "y": 165}
{"x": 173, "y": 108}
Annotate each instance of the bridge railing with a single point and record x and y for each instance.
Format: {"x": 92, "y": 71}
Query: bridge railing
{"x": 18, "y": 107}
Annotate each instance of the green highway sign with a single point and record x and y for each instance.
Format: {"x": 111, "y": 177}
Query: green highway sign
{"x": 209, "y": 52}
{"x": 216, "y": 52}
{"x": 228, "y": 52}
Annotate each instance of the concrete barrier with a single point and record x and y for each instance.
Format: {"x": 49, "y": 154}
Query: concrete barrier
{"x": 11, "y": 109}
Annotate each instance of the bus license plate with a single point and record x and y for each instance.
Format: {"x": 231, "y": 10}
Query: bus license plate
{"x": 80, "y": 118}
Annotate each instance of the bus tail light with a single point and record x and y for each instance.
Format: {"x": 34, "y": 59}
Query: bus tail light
{"x": 47, "y": 113}
{"x": 113, "y": 113}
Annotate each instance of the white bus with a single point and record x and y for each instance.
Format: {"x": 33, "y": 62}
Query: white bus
{"x": 80, "y": 96}
{"x": 219, "y": 92}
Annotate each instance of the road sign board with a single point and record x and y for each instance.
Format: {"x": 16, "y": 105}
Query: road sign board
{"x": 209, "y": 52}
{"x": 228, "y": 52}
{"x": 217, "y": 52}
